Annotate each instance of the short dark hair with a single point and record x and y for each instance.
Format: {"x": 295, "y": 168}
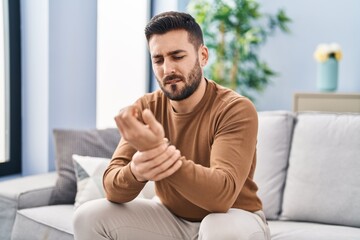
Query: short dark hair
{"x": 168, "y": 21}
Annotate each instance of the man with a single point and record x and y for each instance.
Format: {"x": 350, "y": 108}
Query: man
{"x": 194, "y": 138}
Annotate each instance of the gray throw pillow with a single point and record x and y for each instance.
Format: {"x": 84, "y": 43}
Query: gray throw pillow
{"x": 323, "y": 180}
{"x": 273, "y": 149}
{"x": 93, "y": 142}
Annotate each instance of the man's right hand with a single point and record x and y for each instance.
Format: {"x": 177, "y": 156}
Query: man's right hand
{"x": 155, "y": 164}
{"x": 144, "y": 135}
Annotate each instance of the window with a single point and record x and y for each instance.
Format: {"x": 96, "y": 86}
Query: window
{"x": 10, "y": 88}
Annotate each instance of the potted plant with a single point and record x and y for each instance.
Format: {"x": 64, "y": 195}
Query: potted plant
{"x": 328, "y": 57}
{"x": 233, "y": 31}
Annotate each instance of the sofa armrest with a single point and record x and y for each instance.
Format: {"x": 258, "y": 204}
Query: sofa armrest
{"x": 23, "y": 192}
{"x": 29, "y": 191}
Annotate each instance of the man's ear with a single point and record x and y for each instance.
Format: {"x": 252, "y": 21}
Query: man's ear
{"x": 203, "y": 55}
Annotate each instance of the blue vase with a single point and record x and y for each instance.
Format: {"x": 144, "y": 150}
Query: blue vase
{"x": 327, "y": 75}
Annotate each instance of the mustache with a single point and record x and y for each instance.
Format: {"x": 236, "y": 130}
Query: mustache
{"x": 172, "y": 77}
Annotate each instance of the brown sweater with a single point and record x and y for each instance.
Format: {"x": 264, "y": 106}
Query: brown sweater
{"x": 218, "y": 146}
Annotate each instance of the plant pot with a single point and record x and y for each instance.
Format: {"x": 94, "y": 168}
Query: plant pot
{"x": 327, "y": 75}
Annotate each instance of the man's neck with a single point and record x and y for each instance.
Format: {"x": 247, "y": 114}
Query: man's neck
{"x": 188, "y": 104}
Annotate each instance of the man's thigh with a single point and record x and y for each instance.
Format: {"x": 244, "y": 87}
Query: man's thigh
{"x": 138, "y": 219}
{"x": 235, "y": 224}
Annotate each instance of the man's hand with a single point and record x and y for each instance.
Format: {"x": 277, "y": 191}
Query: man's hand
{"x": 155, "y": 159}
{"x": 155, "y": 164}
{"x": 141, "y": 136}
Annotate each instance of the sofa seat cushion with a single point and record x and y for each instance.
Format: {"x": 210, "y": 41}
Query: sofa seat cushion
{"x": 49, "y": 222}
{"x": 287, "y": 230}
{"x": 273, "y": 148}
{"x": 323, "y": 180}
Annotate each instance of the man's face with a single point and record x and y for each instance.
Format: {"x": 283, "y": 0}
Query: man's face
{"x": 176, "y": 64}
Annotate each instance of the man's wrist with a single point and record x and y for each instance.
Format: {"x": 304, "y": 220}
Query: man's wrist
{"x": 160, "y": 147}
{"x": 160, "y": 144}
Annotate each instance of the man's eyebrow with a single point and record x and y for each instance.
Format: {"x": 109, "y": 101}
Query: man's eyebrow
{"x": 176, "y": 52}
{"x": 169, "y": 53}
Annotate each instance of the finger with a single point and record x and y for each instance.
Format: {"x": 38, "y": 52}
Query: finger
{"x": 166, "y": 163}
{"x": 128, "y": 122}
{"x": 170, "y": 171}
{"x": 125, "y": 131}
{"x": 151, "y": 121}
{"x": 129, "y": 118}
{"x": 136, "y": 172}
{"x": 119, "y": 125}
{"x": 138, "y": 114}
{"x": 170, "y": 154}
{"x": 150, "y": 154}
{"x": 143, "y": 166}
{"x": 123, "y": 116}
{"x": 151, "y": 167}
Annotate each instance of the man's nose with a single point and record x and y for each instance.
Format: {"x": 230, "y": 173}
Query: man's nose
{"x": 169, "y": 67}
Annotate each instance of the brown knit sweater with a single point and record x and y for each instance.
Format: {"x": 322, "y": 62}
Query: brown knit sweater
{"x": 218, "y": 147}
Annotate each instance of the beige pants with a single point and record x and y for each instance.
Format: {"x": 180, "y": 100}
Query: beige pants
{"x": 148, "y": 219}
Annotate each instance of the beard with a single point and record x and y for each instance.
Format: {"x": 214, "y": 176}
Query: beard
{"x": 192, "y": 82}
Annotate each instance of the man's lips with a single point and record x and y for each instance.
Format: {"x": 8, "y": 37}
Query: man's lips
{"x": 173, "y": 81}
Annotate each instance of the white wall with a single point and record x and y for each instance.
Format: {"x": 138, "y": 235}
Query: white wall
{"x": 122, "y": 72}
{"x": 58, "y": 75}
{"x": 72, "y": 66}
{"x": 314, "y": 22}
{"x": 167, "y": 5}
{"x": 35, "y": 85}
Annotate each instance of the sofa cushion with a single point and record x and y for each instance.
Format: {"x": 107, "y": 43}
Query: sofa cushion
{"x": 323, "y": 181}
{"x": 50, "y": 222}
{"x": 274, "y": 139}
{"x": 287, "y": 230}
{"x": 93, "y": 142}
{"x": 89, "y": 172}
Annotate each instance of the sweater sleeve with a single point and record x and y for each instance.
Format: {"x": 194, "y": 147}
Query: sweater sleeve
{"x": 215, "y": 188}
{"x": 119, "y": 183}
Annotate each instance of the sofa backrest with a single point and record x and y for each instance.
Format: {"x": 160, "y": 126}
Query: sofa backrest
{"x": 323, "y": 179}
{"x": 87, "y": 142}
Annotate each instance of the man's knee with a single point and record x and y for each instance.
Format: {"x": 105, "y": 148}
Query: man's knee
{"x": 232, "y": 225}
{"x": 211, "y": 228}
{"x": 89, "y": 216}
{"x": 85, "y": 213}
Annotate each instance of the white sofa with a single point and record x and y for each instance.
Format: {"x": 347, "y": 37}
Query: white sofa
{"x": 308, "y": 172}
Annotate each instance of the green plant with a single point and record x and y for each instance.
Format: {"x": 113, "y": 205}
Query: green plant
{"x": 233, "y": 31}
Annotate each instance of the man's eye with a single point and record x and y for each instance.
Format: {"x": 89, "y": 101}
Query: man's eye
{"x": 158, "y": 61}
{"x": 178, "y": 57}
